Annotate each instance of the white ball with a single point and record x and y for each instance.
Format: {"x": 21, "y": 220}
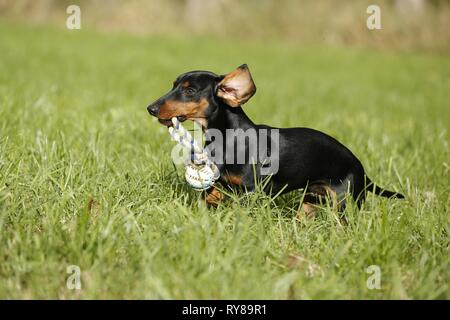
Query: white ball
{"x": 199, "y": 177}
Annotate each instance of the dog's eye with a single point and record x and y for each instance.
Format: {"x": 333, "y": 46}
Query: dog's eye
{"x": 189, "y": 91}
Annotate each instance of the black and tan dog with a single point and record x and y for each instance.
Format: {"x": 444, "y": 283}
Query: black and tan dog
{"x": 308, "y": 159}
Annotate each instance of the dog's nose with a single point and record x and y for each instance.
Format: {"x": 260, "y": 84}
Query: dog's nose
{"x": 153, "y": 109}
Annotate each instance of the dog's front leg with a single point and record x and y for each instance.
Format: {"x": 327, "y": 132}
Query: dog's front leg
{"x": 213, "y": 196}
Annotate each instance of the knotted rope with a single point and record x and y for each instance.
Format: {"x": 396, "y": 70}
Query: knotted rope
{"x": 201, "y": 172}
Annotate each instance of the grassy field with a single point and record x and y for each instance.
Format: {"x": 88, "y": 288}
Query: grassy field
{"x": 86, "y": 176}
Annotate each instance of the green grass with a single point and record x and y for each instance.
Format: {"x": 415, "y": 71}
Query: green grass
{"x": 86, "y": 176}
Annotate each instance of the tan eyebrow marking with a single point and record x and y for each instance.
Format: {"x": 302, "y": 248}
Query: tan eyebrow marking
{"x": 185, "y": 84}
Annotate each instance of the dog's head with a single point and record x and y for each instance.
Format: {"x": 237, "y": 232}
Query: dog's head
{"x": 196, "y": 95}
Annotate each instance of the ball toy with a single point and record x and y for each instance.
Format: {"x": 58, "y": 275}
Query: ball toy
{"x": 201, "y": 173}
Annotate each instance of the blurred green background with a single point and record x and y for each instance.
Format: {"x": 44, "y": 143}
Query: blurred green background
{"x": 406, "y": 24}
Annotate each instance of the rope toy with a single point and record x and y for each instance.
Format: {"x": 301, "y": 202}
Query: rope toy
{"x": 201, "y": 172}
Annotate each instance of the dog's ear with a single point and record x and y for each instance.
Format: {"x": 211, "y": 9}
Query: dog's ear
{"x": 237, "y": 87}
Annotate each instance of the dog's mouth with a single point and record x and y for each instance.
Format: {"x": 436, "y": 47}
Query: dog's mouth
{"x": 165, "y": 122}
{"x": 168, "y": 122}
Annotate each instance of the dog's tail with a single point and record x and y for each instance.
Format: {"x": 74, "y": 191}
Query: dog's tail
{"x": 382, "y": 192}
